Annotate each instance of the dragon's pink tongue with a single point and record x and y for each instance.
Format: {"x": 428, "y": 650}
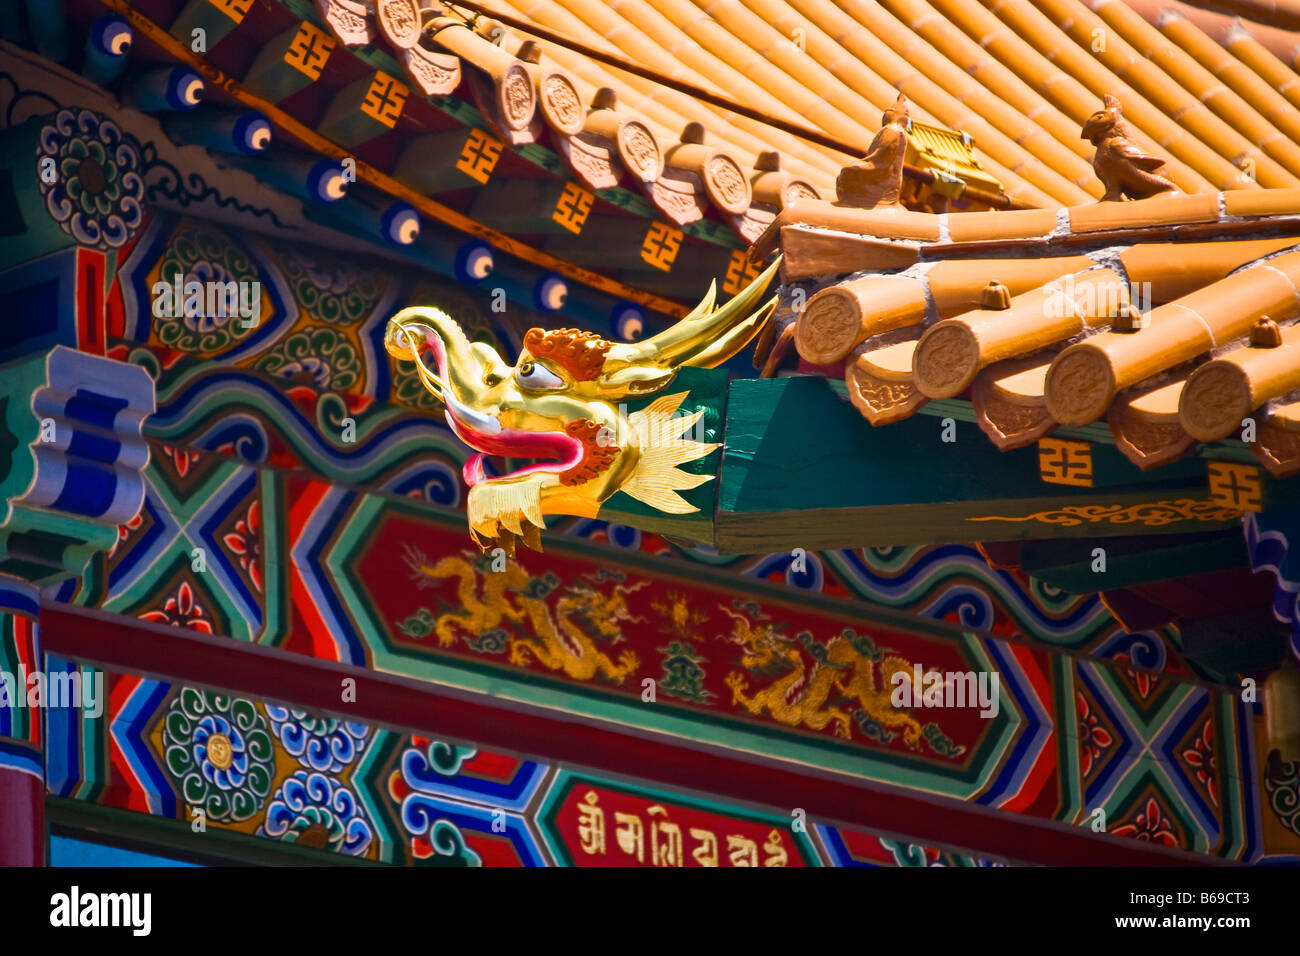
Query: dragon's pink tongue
{"x": 512, "y": 443}
{"x": 473, "y": 469}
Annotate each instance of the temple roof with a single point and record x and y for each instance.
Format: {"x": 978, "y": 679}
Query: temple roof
{"x": 1017, "y": 77}
{"x": 638, "y": 147}
{"x": 721, "y": 124}
{"x": 1168, "y": 316}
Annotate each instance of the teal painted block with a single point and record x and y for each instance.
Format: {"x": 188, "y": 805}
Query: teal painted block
{"x": 707, "y": 389}
{"x": 793, "y": 444}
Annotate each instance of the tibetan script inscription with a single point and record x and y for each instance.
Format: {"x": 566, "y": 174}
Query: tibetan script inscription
{"x": 605, "y": 827}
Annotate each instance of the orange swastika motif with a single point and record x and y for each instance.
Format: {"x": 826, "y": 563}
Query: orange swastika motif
{"x": 235, "y": 9}
{"x": 385, "y": 99}
{"x": 740, "y": 272}
{"x": 660, "y": 246}
{"x": 479, "y": 155}
{"x": 1236, "y": 486}
{"x": 309, "y": 50}
{"x": 573, "y": 207}
{"x": 1063, "y": 462}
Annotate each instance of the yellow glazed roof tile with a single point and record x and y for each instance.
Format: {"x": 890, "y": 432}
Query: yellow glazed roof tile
{"x": 1016, "y": 76}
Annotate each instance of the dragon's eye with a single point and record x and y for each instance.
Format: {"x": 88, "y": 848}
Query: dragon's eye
{"x": 532, "y": 375}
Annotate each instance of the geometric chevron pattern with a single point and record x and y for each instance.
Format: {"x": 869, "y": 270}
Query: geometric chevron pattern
{"x": 186, "y": 540}
{"x": 350, "y": 789}
{"x": 1164, "y": 760}
{"x": 387, "y": 583}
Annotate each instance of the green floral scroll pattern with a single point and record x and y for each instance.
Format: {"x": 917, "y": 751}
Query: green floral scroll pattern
{"x": 1282, "y": 782}
{"x": 219, "y": 751}
{"x": 203, "y": 254}
{"x": 323, "y": 358}
{"x": 332, "y": 288}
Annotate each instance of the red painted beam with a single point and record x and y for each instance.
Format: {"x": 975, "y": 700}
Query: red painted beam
{"x": 22, "y": 809}
{"x": 284, "y": 677}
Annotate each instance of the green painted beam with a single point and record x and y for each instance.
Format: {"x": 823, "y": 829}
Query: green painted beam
{"x": 802, "y": 468}
{"x": 1073, "y": 565}
{"x": 706, "y": 389}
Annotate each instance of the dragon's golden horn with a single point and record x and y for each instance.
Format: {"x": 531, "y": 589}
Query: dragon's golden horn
{"x": 705, "y": 337}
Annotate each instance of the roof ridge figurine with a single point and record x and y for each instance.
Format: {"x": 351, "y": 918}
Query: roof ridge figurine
{"x": 877, "y": 178}
{"x": 1123, "y": 167}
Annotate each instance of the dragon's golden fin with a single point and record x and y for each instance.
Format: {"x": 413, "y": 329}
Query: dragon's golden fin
{"x": 657, "y": 479}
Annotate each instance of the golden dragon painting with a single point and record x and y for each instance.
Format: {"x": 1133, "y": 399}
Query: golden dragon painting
{"x": 848, "y": 668}
{"x": 585, "y": 616}
{"x": 562, "y": 405}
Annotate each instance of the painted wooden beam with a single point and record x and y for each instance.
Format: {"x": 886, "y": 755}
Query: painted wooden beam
{"x": 213, "y": 19}
{"x": 803, "y": 469}
{"x": 534, "y": 206}
{"x": 370, "y": 215}
{"x": 1085, "y": 565}
{"x": 164, "y": 89}
{"x": 454, "y": 159}
{"x": 289, "y": 61}
{"x": 294, "y": 679}
{"x": 367, "y": 107}
{"x": 691, "y": 274}
{"x": 227, "y": 131}
{"x": 48, "y": 22}
{"x": 107, "y": 50}
{"x": 441, "y": 73}
{"x": 616, "y": 242}
{"x": 367, "y": 173}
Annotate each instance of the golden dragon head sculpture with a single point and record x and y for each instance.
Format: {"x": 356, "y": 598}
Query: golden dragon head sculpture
{"x": 562, "y": 405}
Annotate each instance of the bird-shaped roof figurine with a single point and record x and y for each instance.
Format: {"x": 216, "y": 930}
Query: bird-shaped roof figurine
{"x": 877, "y": 178}
{"x": 1123, "y": 167}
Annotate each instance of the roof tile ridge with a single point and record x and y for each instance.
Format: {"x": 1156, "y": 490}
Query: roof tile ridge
{"x": 1002, "y": 133}
{"x": 1184, "y": 70}
{"x": 1173, "y": 140}
{"x": 1149, "y": 217}
{"x": 1163, "y": 92}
